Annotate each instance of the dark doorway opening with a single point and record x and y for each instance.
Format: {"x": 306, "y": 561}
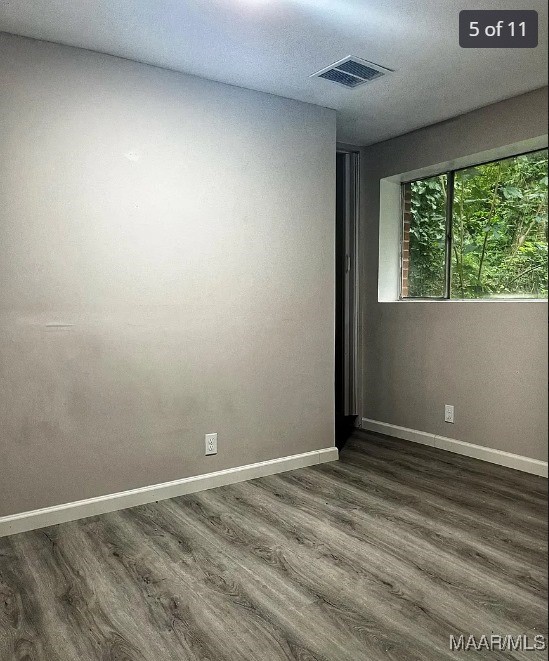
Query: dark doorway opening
{"x": 345, "y": 299}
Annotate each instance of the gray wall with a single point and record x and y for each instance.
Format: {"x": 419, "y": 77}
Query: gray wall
{"x": 489, "y": 359}
{"x": 166, "y": 270}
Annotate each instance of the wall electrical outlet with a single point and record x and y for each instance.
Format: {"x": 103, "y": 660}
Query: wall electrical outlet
{"x": 211, "y": 444}
{"x": 448, "y": 413}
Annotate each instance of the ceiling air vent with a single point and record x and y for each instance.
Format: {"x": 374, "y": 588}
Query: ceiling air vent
{"x": 352, "y": 72}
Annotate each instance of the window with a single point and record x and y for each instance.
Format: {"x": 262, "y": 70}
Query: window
{"x": 479, "y": 232}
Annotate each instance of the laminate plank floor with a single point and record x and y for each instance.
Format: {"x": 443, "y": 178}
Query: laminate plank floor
{"x": 382, "y": 555}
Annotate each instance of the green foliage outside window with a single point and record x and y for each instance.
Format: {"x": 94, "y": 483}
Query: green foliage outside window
{"x": 428, "y": 237}
{"x": 499, "y": 231}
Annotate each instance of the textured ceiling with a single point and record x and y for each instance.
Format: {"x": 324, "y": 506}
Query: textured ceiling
{"x": 274, "y": 46}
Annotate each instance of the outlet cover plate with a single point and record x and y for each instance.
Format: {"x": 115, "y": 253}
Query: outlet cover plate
{"x": 448, "y": 413}
{"x": 210, "y": 441}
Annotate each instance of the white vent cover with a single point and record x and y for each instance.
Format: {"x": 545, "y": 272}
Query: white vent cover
{"x": 352, "y": 72}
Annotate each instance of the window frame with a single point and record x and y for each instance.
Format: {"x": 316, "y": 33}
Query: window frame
{"x": 450, "y": 175}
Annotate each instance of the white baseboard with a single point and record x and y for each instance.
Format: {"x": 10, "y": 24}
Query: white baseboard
{"x": 401, "y": 432}
{"x": 49, "y": 516}
{"x": 508, "y": 459}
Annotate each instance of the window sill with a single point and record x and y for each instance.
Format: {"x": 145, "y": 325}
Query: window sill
{"x": 467, "y": 300}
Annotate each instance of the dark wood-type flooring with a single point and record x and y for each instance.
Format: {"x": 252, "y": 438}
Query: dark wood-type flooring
{"x": 382, "y": 555}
